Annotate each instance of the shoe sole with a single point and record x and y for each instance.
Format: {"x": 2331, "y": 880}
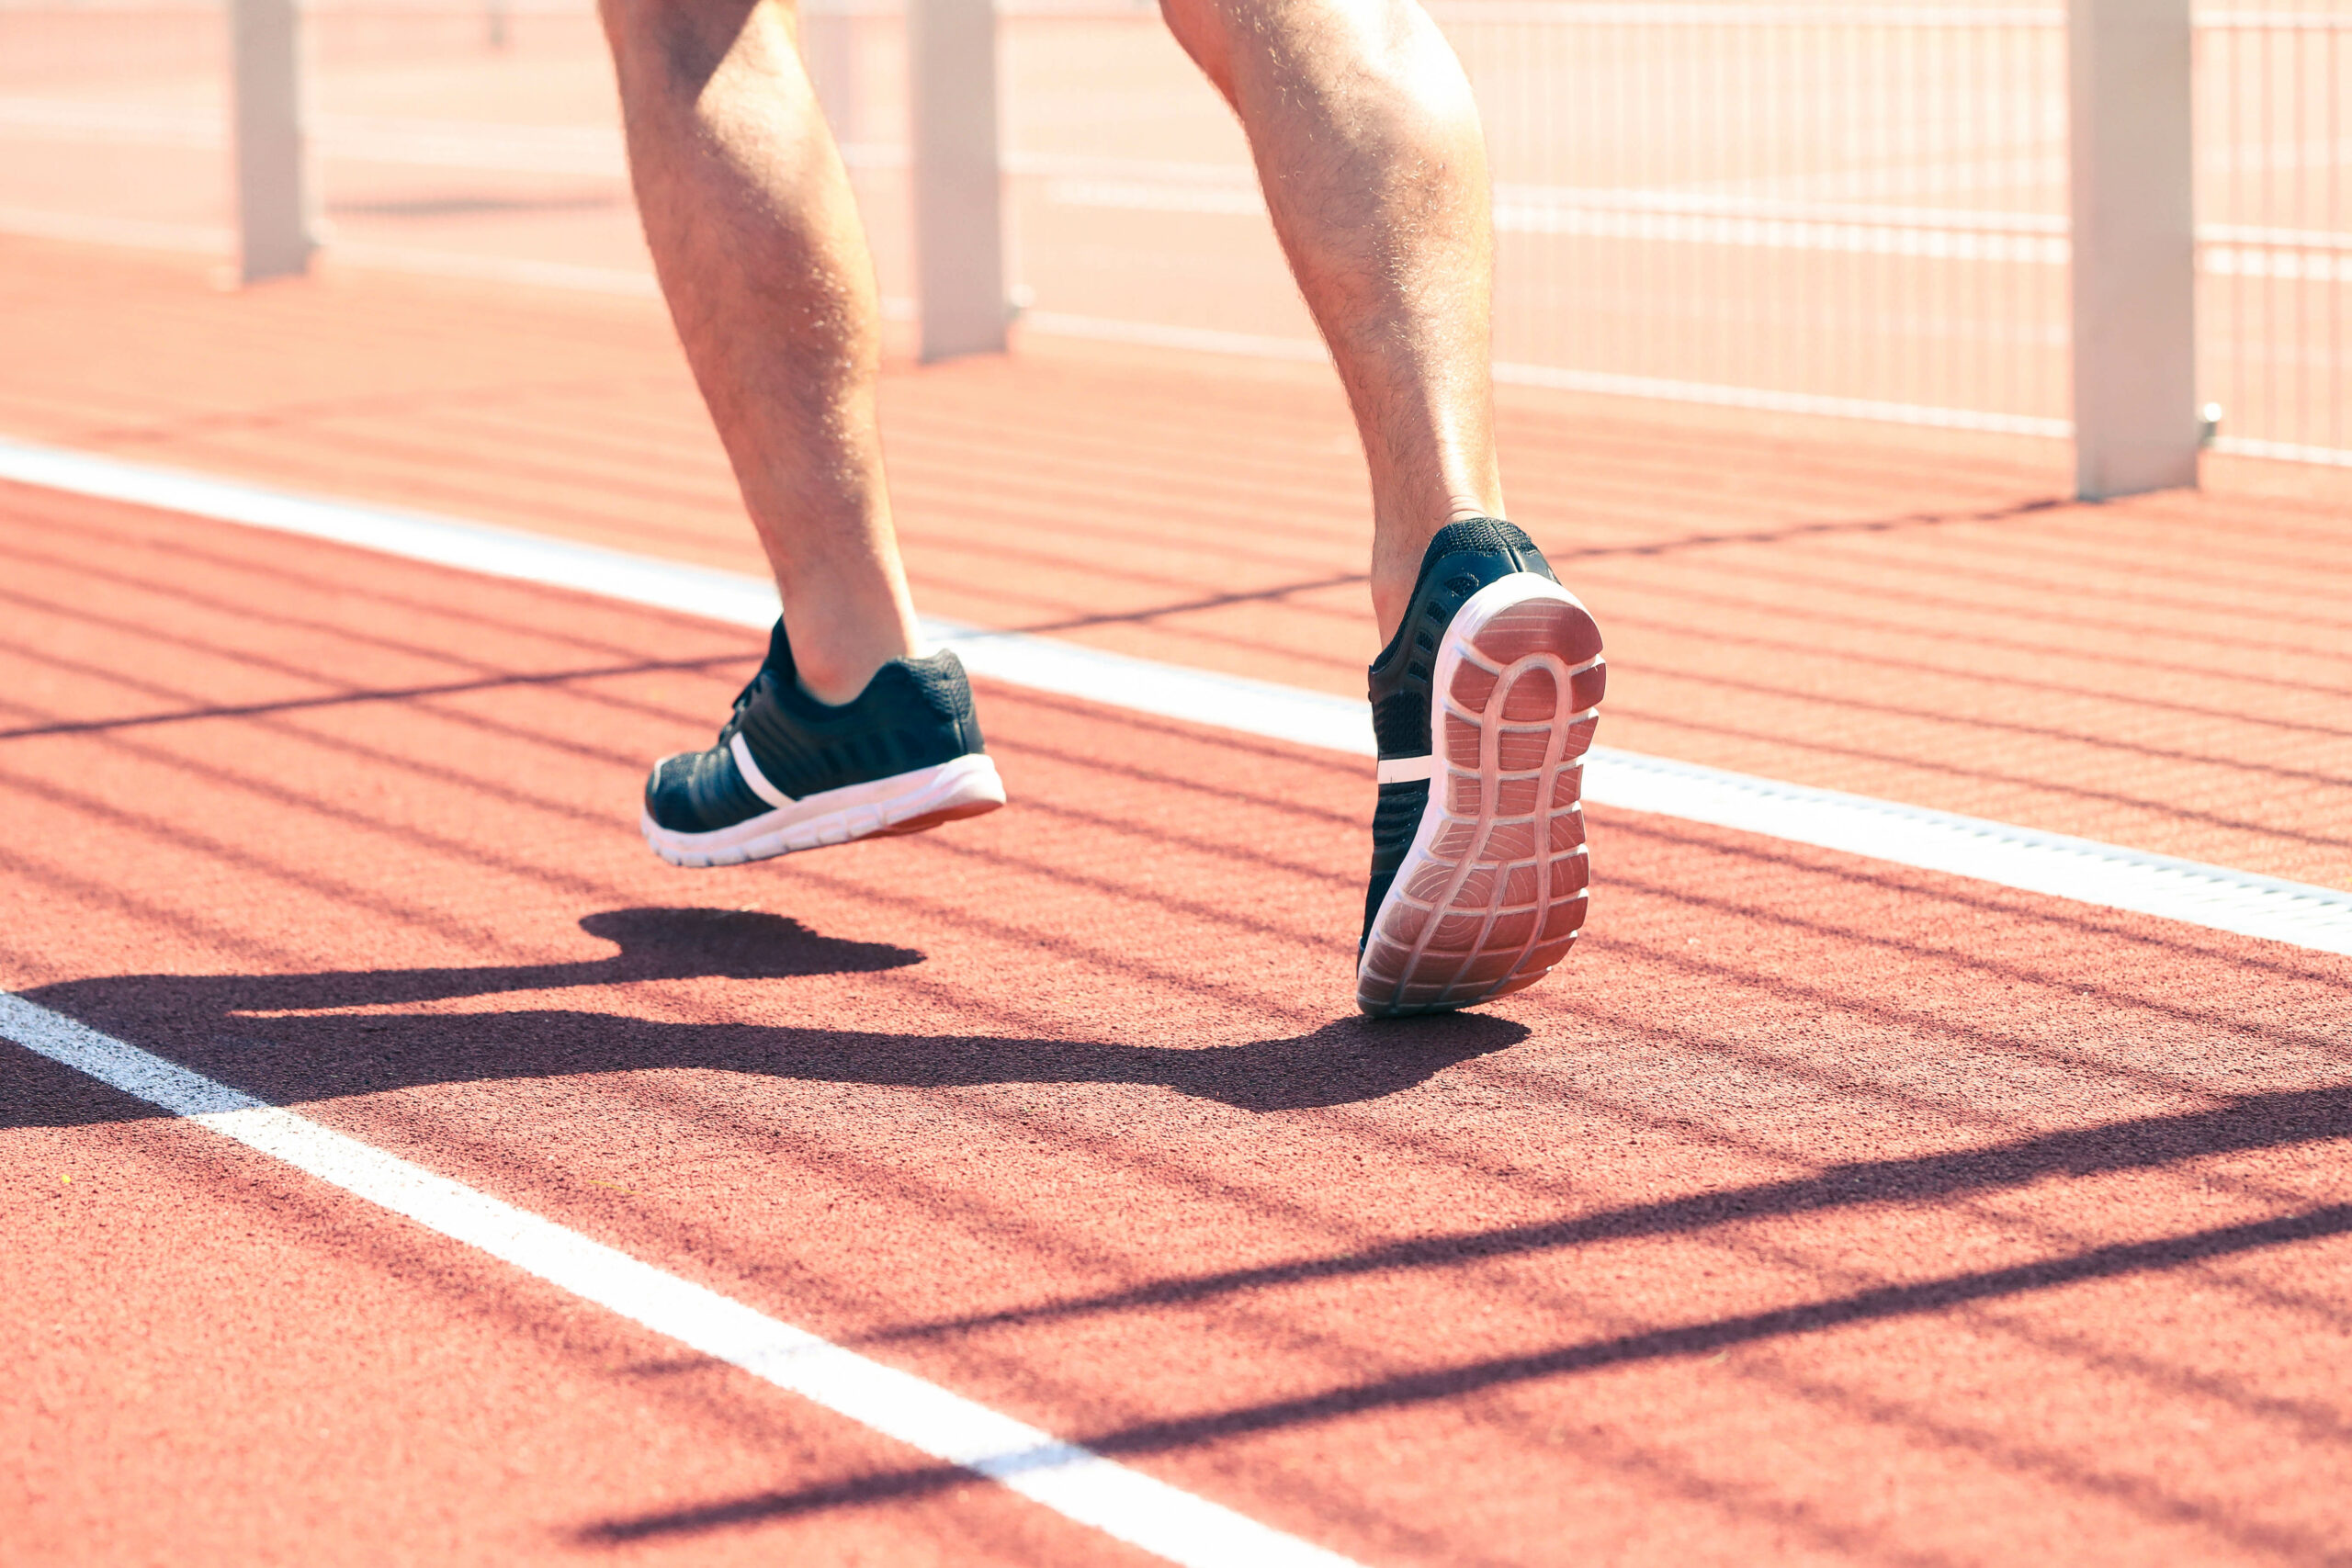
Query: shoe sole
{"x": 1492, "y": 893}
{"x": 903, "y": 803}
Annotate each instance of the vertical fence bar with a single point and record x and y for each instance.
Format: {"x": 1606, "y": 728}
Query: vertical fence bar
{"x": 274, "y": 238}
{"x": 958, "y": 197}
{"x": 2135, "y": 259}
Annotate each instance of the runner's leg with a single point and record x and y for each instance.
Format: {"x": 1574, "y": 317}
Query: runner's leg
{"x": 1368, "y": 147}
{"x": 748, "y": 211}
{"x": 1484, "y": 698}
{"x": 842, "y": 734}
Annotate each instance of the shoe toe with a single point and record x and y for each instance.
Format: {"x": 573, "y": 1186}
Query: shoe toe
{"x": 670, "y": 799}
{"x": 699, "y": 791}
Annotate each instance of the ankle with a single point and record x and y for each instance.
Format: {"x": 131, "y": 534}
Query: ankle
{"x": 1398, "y": 550}
{"x": 1398, "y": 564}
{"x": 837, "y": 682}
{"x": 844, "y": 631}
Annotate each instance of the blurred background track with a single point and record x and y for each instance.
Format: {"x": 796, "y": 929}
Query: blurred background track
{"x": 1912, "y": 615}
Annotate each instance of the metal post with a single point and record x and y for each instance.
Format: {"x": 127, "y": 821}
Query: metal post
{"x": 2135, "y": 259}
{"x": 273, "y": 236}
{"x": 958, "y": 216}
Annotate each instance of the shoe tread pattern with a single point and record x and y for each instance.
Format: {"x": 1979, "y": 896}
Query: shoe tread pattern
{"x": 1493, "y": 890}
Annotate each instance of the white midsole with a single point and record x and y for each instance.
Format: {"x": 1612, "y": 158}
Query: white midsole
{"x": 834, "y": 815}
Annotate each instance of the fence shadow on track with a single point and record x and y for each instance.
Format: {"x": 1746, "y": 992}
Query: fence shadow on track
{"x": 1442, "y": 1384}
{"x": 257, "y": 1032}
{"x": 347, "y": 699}
{"x": 2253, "y": 1122}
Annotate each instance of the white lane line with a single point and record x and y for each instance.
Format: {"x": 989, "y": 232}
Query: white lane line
{"x": 1073, "y": 1480}
{"x": 2084, "y": 869}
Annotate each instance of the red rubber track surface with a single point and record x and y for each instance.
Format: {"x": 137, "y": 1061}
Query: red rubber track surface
{"x": 1827, "y": 601}
{"x": 1818, "y": 1210}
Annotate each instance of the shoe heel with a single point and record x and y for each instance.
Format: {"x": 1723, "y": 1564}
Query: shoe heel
{"x": 969, "y": 786}
{"x": 1493, "y": 891}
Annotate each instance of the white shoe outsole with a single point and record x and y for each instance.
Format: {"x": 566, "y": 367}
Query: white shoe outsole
{"x": 904, "y": 803}
{"x": 1492, "y": 892}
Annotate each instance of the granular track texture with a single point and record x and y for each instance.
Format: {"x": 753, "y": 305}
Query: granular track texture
{"x": 1835, "y": 1214}
{"x": 1935, "y": 622}
{"x": 1822, "y": 1212}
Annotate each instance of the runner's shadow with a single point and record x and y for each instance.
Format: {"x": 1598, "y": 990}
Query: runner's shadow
{"x": 263, "y": 1033}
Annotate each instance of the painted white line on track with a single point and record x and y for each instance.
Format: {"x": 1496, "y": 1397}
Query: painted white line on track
{"x": 2084, "y": 869}
{"x": 1073, "y": 1480}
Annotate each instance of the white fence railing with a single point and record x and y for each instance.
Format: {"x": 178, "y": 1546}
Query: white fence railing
{"x": 2274, "y": 230}
{"x": 1860, "y": 209}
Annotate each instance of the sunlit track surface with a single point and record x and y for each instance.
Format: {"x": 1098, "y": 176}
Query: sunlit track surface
{"x": 1819, "y": 1212}
{"x": 1831, "y": 604}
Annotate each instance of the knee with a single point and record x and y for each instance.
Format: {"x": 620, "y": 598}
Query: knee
{"x": 1203, "y": 29}
{"x": 1366, "y": 40}
{"x": 685, "y": 38}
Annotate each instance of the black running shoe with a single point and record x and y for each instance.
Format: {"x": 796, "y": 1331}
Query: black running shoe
{"x": 790, "y": 772}
{"x": 1483, "y": 705}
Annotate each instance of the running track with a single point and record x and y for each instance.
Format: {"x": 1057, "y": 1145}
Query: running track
{"x": 1821, "y": 1211}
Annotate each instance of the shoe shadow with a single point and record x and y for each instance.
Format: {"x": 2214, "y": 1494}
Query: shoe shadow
{"x": 221, "y": 1026}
